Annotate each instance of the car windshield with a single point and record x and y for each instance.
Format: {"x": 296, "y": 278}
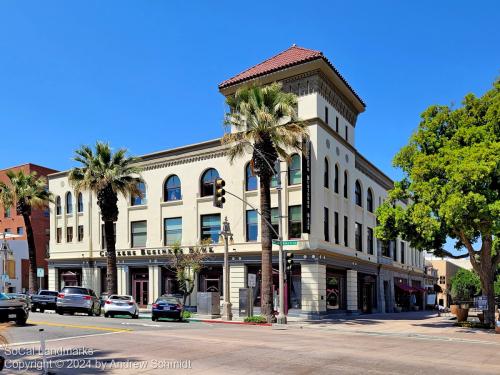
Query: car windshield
{"x": 121, "y": 298}
{"x": 170, "y": 300}
{"x": 48, "y": 293}
{"x": 75, "y": 291}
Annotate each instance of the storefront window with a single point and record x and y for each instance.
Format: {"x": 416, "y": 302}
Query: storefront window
{"x": 210, "y": 227}
{"x": 173, "y": 231}
{"x": 335, "y": 291}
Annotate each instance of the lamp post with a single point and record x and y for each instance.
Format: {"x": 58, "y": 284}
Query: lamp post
{"x": 281, "y": 318}
{"x": 227, "y": 313}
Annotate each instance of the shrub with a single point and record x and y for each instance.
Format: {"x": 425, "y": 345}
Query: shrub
{"x": 256, "y": 319}
{"x": 465, "y": 285}
{"x": 186, "y": 314}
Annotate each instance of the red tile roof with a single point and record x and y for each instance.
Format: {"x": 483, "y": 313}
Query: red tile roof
{"x": 292, "y": 56}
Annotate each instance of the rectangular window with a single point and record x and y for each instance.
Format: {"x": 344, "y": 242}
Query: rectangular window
{"x": 294, "y": 221}
{"x": 210, "y": 227}
{"x": 402, "y": 252}
{"x": 58, "y": 235}
{"x": 172, "y": 231}
{"x": 346, "y": 133}
{"x": 369, "y": 240}
{"x": 326, "y": 114}
{"x": 442, "y": 280}
{"x": 326, "y": 224}
{"x": 337, "y": 124}
{"x": 386, "y": 251}
{"x": 103, "y": 235}
{"x": 69, "y": 234}
{"x": 358, "y": 233}
{"x": 139, "y": 232}
{"x": 7, "y": 212}
{"x": 8, "y": 230}
{"x": 252, "y": 225}
{"x": 346, "y": 231}
{"x": 336, "y": 223}
{"x": 275, "y": 222}
{"x": 20, "y": 230}
{"x": 392, "y": 245}
{"x": 80, "y": 233}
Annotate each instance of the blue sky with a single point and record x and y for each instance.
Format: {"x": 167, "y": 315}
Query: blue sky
{"x": 144, "y": 74}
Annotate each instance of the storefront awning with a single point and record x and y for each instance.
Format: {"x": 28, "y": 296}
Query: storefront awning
{"x": 410, "y": 289}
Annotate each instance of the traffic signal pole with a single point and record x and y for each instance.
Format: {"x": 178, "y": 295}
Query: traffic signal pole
{"x": 281, "y": 319}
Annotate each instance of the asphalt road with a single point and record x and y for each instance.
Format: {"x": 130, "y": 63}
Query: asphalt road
{"x": 96, "y": 345}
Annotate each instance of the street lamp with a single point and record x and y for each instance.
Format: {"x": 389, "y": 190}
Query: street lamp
{"x": 226, "y": 234}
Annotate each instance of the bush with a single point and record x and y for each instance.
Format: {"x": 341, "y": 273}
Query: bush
{"x": 255, "y": 319}
{"x": 473, "y": 325}
{"x": 186, "y": 314}
{"x": 465, "y": 285}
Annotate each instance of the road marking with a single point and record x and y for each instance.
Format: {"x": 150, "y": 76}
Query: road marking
{"x": 80, "y": 326}
{"x": 143, "y": 324}
{"x": 68, "y": 338}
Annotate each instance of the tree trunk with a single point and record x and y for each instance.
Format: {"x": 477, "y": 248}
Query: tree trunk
{"x": 266, "y": 305}
{"x": 33, "y": 280}
{"x": 111, "y": 274}
{"x": 487, "y": 277}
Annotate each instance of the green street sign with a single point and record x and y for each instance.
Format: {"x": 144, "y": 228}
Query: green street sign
{"x": 285, "y": 243}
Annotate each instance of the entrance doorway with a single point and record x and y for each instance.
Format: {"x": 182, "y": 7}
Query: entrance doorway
{"x": 140, "y": 287}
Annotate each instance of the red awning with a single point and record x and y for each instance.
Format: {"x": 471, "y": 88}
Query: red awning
{"x": 405, "y": 287}
{"x": 419, "y": 289}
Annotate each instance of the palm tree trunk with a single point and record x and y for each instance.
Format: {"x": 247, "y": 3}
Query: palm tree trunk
{"x": 111, "y": 273}
{"x": 33, "y": 280}
{"x": 266, "y": 304}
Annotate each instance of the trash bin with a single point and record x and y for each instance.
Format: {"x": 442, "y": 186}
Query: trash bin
{"x": 208, "y": 304}
{"x": 245, "y": 302}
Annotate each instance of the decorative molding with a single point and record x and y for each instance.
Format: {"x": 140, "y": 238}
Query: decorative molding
{"x": 184, "y": 160}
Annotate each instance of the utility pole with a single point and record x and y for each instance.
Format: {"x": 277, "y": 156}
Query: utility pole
{"x": 281, "y": 319}
{"x": 227, "y": 313}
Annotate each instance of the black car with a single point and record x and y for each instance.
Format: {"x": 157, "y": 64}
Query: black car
{"x": 13, "y": 309}
{"x": 167, "y": 307}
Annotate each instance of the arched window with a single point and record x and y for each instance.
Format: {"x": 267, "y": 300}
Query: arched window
{"x": 172, "y": 189}
{"x": 357, "y": 194}
{"x": 250, "y": 178}
{"x": 346, "y": 184}
{"x": 207, "y": 182}
{"x": 369, "y": 200}
{"x": 274, "y": 178}
{"x": 336, "y": 181}
{"x": 58, "y": 205}
{"x": 80, "y": 202}
{"x": 139, "y": 199}
{"x": 69, "y": 203}
{"x": 294, "y": 175}
{"x": 326, "y": 175}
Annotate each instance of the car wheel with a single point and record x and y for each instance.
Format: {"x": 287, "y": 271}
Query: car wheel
{"x": 33, "y": 309}
{"x": 42, "y": 310}
{"x": 21, "y": 322}
{"x": 154, "y": 318}
{"x": 136, "y": 315}
{"x": 106, "y": 315}
{"x": 90, "y": 312}
{"x": 59, "y": 311}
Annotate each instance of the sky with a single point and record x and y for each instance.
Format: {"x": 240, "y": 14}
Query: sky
{"x": 144, "y": 74}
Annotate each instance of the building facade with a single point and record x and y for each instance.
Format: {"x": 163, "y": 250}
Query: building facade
{"x": 12, "y": 223}
{"x": 446, "y": 269}
{"x": 329, "y": 198}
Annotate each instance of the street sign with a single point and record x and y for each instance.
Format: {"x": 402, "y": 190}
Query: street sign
{"x": 285, "y": 243}
{"x": 252, "y": 280}
{"x": 40, "y": 272}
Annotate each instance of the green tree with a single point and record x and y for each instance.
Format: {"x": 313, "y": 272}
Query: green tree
{"x": 451, "y": 183}
{"x": 106, "y": 174}
{"x": 26, "y": 192}
{"x": 263, "y": 122}
{"x": 465, "y": 285}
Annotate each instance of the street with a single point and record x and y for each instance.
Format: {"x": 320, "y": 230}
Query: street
{"x": 92, "y": 345}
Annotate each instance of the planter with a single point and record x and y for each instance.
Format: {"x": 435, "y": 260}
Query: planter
{"x": 454, "y": 308}
{"x": 462, "y": 315}
{"x": 497, "y": 327}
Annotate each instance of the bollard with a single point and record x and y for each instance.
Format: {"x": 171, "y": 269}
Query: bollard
{"x": 42, "y": 349}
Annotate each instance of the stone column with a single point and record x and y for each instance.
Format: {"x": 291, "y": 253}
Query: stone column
{"x": 123, "y": 284}
{"x": 313, "y": 280}
{"x": 154, "y": 284}
{"x": 237, "y": 280}
{"x": 53, "y": 274}
{"x": 352, "y": 290}
{"x": 97, "y": 281}
{"x": 88, "y": 277}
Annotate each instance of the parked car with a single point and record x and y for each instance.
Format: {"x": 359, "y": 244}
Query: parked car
{"x": 78, "y": 299}
{"x": 13, "y": 309}
{"x": 44, "y": 300}
{"x": 21, "y": 296}
{"x": 167, "y": 307}
{"x": 121, "y": 305}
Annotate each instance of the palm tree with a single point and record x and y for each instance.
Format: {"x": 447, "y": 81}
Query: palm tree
{"x": 106, "y": 174}
{"x": 26, "y": 192}
{"x": 264, "y": 121}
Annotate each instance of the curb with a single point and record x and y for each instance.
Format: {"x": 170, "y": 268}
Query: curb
{"x": 229, "y": 322}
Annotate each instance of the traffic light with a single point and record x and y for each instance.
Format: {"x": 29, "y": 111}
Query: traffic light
{"x": 289, "y": 261}
{"x": 219, "y": 192}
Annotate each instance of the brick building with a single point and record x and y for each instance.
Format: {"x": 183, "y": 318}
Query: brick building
{"x": 10, "y": 222}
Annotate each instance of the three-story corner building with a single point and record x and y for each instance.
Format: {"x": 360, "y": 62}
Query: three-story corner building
{"x": 329, "y": 198}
